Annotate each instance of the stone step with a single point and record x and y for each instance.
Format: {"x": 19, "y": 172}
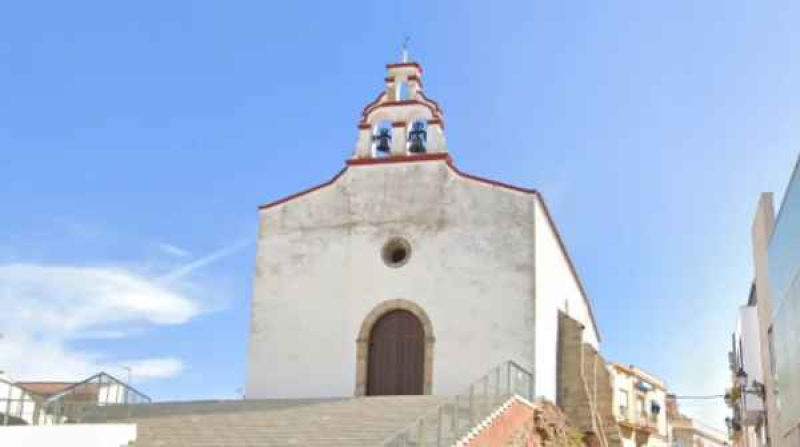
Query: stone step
{"x": 310, "y": 422}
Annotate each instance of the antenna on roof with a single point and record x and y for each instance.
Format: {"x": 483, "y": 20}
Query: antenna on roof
{"x": 129, "y": 369}
{"x": 404, "y": 57}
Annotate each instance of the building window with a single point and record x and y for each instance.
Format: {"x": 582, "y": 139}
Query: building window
{"x": 396, "y": 252}
{"x": 655, "y": 407}
{"x": 655, "y": 410}
{"x": 641, "y": 411}
{"x": 623, "y": 404}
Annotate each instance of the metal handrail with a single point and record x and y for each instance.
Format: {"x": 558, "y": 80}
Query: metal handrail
{"x": 446, "y": 427}
{"x": 91, "y": 380}
{"x": 84, "y": 399}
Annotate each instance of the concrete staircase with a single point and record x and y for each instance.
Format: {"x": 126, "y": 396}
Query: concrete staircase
{"x": 363, "y": 421}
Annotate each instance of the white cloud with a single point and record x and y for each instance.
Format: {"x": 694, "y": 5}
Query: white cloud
{"x": 44, "y": 307}
{"x": 173, "y": 250}
{"x": 47, "y": 309}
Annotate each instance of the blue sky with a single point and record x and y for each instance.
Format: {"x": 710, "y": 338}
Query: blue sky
{"x": 138, "y": 138}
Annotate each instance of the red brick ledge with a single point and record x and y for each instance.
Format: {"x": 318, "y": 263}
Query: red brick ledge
{"x": 398, "y": 159}
{"x": 499, "y": 427}
{"x": 301, "y": 193}
{"x": 405, "y": 64}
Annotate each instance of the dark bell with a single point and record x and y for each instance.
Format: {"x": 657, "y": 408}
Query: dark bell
{"x": 417, "y": 137}
{"x": 383, "y": 138}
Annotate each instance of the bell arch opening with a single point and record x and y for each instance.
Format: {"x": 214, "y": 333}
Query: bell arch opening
{"x": 417, "y": 137}
{"x": 382, "y": 139}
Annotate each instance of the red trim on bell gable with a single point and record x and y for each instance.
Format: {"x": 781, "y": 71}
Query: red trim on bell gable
{"x": 371, "y": 108}
{"x": 490, "y": 181}
{"x": 405, "y": 64}
{"x": 398, "y": 159}
{"x": 402, "y": 102}
{"x": 435, "y": 104}
{"x": 437, "y": 121}
{"x": 302, "y": 193}
{"x": 375, "y": 101}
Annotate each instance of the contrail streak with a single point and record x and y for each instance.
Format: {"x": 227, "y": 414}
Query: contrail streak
{"x": 185, "y": 270}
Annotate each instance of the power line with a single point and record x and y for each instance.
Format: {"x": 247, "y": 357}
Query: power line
{"x": 710, "y": 396}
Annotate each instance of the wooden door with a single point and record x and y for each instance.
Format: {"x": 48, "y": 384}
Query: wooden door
{"x": 396, "y": 355}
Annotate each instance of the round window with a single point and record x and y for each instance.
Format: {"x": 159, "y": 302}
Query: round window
{"x": 396, "y": 252}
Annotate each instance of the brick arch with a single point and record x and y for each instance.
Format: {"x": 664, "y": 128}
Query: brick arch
{"x": 362, "y": 342}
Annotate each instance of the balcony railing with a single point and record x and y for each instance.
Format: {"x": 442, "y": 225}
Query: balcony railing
{"x": 449, "y": 422}
{"x": 641, "y": 421}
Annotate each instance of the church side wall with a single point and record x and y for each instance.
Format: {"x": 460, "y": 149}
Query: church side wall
{"x": 319, "y": 273}
{"x": 556, "y": 289}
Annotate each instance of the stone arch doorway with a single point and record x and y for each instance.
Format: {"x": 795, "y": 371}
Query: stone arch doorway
{"x": 394, "y": 350}
{"x": 395, "y": 364}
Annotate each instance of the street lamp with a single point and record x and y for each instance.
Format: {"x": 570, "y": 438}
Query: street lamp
{"x": 741, "y": 378}
{"x": 741, "y": 381}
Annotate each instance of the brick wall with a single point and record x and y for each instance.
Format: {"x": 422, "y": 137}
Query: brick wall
{"x": 584, "y": 389}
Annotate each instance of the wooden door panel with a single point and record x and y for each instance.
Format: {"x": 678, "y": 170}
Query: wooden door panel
{"x": 396, "y": 355}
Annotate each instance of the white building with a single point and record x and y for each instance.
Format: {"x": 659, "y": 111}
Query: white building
{"x": 687, "y": 432}
{"x": 404, "y": 275}
{"x": 17, "y": 406}
{"x": 776, "y": 300}
{"x": 639, "y": 405}
{"x": 748, "y": 424}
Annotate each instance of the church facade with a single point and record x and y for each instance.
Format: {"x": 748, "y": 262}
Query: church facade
{"x": 405, "y": 275}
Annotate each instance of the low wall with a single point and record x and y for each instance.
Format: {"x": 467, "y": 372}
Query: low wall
{"x": 70, "y": 435}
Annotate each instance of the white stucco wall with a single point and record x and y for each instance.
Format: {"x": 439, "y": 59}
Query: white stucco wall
{"x": 319, "y": 272}
{"x": 556, "y": 290}
{"x": 15, "y": 402}
{"x": 749, "y": 352}
{"x": 761, "y": 232}
{"x": 747, "y": 336}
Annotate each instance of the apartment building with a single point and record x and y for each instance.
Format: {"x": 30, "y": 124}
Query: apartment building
{"x": 639, "y": 406}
